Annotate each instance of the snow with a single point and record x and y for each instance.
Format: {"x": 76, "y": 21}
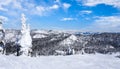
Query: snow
{"x": 60, "y": 52}
{"x": 11, "y": 36}
{"x": 70, "y": 40}
{"x": 26, "y": 40}
{"x": 87, "y": 61}
{"x": 73, "y": 37}
{"x": 39, "y": 36}
{"x": 41, "y": 31}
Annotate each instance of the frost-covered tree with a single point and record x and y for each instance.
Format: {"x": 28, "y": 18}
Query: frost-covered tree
{"x": 26, "y": 40}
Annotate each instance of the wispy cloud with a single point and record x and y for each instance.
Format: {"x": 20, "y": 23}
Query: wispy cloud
{"x": 66, "y": 5}
{"x": 85, "y": 12}
{"x": 39, "y": 10}
{"x": 3, "y": 9}
{"x": 42, "y": 10}
{"x": 3, "y": 18}
{"x": 108, "y": 22}
{"x": 3, "y": 4}
{"x": 19, "y": 6}
{"x": 54, "y": 7}
{"x": 105, "y": 24}
{"x": 68, "y": 19}
{"x": 115, "y": 3}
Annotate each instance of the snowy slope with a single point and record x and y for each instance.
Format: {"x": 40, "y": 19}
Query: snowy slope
{"x": 40, "y": 33}
{"x": 86, "y": 61}
{"x": 39, "y": 36}
{"x": 70, "y": 40}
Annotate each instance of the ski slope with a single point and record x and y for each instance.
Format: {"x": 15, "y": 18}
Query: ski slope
{"x": 87, "y": 61}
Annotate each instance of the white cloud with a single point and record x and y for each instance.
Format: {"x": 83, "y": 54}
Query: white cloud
{"x": 85, "y": 12}
{"x": 38, "y": 10}
{"x": 42, "y": 10}
{"x": 13, "y": 9}
{"x": 3, "y": 18}
{"x": 3, "y": 9}
{"x": 4, "y": 3}
{"x": 66, "y": 5}
{"x": 105, "y": 24}
{"x": 17, "y": 5}
{"x": 108, "y": 22}
{"x": 26, "y": 6}
{"x": 115, "y": 3}
{"x": 54, "y": 7}
{"x": 68, "y": 19}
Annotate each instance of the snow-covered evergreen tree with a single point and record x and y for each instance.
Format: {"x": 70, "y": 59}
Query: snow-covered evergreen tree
{"x": 26, "y": 40}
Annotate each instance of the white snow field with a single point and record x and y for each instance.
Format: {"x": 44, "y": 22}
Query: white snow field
{"x": 87, "y": 61}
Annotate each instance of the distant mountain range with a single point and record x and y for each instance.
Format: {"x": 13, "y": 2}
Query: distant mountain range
{"x": 51, "y": 42}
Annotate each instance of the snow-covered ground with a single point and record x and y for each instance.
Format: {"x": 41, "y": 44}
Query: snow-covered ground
{"x": 87, "y": 61}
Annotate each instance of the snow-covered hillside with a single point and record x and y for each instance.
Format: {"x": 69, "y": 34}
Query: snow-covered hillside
{"x": 87, "y": 61}
{"x": 70, "y": 40}
{"x": 46, "y": 42}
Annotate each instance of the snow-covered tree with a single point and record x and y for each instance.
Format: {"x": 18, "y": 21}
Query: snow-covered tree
{"x": 26, "y": 40}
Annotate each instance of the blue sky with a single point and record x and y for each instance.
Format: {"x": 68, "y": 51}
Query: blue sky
{"x": 82, "y": 15}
